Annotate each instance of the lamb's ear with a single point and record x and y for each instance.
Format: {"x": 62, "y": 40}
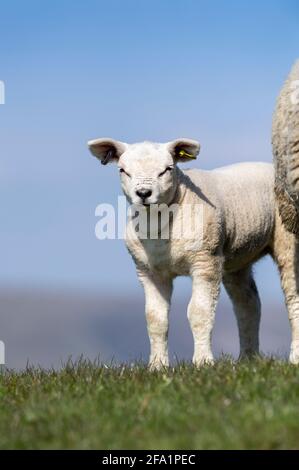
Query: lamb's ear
{"x": 184, "y": 150}
{"x": 106, "y": 150}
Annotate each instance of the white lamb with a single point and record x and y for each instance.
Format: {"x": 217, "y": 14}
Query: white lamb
{"x": 240, "y": 224}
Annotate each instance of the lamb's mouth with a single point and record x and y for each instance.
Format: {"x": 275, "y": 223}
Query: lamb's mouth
{"x": 147, "y": 205}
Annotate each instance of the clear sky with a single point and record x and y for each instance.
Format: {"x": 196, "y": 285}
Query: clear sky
{"x": 132, "y": 70}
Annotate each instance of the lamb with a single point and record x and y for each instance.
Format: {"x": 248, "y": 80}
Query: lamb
{"x": 240, "y": 224}
{"x": 285, "y": 142}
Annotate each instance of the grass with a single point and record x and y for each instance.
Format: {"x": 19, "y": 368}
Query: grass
{"x": 248, "y": 405}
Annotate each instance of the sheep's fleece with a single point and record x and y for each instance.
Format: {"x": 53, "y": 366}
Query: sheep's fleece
{"x": 239, "y": 224}
{"x": 285, "y": 142}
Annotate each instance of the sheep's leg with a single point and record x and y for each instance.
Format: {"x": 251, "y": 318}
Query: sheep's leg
{"x": 286, "y": 255}
{"x": 157, "y": 302}
{"x": 242, "y": 290}
{"x": 201, "y": 310}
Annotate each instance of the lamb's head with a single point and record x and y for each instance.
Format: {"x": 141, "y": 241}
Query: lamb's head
{"x": 147, "y": 170}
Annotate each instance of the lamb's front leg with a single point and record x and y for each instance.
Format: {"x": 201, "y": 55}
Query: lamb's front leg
{"x": 157, "y": 302}
{"x": 201, "y": 310}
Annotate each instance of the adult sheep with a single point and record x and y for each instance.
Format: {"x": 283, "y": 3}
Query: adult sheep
{"x": 285, "y": 142}
{"x": 239, "y": 225}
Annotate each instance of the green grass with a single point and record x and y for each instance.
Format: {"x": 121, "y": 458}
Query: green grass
{"x": 248, "y": 405}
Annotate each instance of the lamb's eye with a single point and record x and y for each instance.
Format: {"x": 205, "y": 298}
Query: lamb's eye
{"x": 169, "y": 168}
{"x": 121, "y": 170}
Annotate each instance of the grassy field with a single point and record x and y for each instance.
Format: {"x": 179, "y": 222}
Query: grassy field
{"x": 252, "y": 405}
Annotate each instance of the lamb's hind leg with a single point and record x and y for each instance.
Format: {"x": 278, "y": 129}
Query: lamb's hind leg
{"x": 242, "y": 290}
{"x": 286, "y": 255}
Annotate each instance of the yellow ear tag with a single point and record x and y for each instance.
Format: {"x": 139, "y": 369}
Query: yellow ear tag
{"x": 183, "y": 153}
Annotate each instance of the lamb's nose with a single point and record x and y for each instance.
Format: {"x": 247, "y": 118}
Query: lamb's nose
{"x": 144, "y": 193}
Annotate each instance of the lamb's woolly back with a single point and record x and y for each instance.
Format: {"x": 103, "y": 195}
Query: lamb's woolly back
{"x": 235, "y": 179}
{"x": 245, "y": 167}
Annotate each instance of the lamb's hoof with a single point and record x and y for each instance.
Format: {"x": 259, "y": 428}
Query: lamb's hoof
{"x": 294, "y": 356}
{"x": 158, "y": 365}
{"x": 203, "y": 361}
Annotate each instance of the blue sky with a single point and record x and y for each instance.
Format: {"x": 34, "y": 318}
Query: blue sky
{"x": 132, "y": 70}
